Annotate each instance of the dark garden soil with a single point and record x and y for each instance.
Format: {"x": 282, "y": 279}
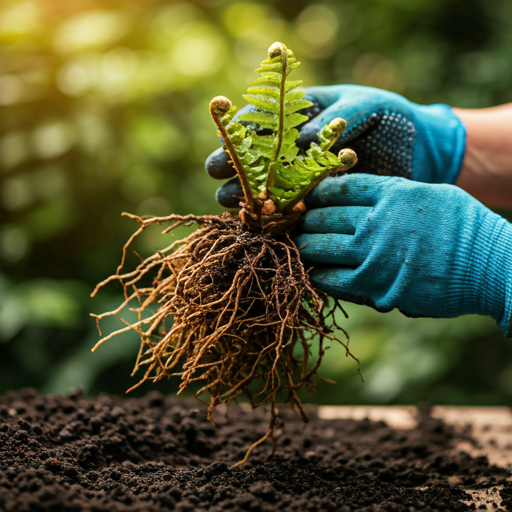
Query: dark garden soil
{"x": 72, "y": 453}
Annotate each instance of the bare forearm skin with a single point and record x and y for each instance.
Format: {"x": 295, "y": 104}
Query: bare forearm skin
{"x": 486, "y": 171}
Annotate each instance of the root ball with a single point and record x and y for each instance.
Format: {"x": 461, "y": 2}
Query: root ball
{"x": 244, "y": 315}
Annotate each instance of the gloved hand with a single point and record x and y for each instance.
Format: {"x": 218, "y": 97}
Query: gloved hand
{"x": 429, "y": 250}
{"x": 391, "y": 136}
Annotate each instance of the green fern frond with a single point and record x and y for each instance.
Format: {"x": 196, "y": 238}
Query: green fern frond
{"x": 273, "y": 93}
{"x": 271, "y": 166}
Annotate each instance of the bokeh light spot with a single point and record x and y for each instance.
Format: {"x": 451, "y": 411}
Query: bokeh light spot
{"x": 16, "y": 193}
{"x": 118, "y": 64}
{"x": 14, "y": 243}
{"x": 242, "y": 17}
{"x": 91, "y": 29}
{"x": 169, "y": 19}
{"x": 11, "y": 89}
{"x": 53, "y": 139}
{"x": 73, "y": 79}
{"x": 94, "y": 134}
{"x": 199, "y": 56}
{"x": 13, "y": 149}
{"x": 18, "y": 19}
{"x": 376, "y": 70}
{"x": 258, "y": 24}
{"x": 317, "y": 25}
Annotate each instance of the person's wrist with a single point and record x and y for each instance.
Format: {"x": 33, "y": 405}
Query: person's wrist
{"x": 482, "y": 269}
{"x": 486, "y": 169}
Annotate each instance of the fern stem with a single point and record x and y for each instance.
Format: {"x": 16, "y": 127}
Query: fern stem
{"x": 274, "y": 51}
{"x": 218, "y": 107}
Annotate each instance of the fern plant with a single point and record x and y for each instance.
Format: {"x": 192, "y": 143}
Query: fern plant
{"x": 274, "y": 174}
{"x": 225, "y": 307}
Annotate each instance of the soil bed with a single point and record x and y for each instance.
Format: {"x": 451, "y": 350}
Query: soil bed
{"x": 73, "y": 453}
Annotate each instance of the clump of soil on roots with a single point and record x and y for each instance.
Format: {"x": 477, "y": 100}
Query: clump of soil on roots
{"x": 244, "y": 315}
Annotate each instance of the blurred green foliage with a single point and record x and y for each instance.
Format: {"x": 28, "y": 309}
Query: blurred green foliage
{"x": 104, "y": 109}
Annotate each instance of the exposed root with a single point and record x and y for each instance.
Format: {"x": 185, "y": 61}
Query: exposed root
{"x": 244, "y": 314}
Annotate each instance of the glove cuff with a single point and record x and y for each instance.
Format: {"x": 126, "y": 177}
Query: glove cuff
{"x": 441, "y": 138}
{"x": 482, "y": 269}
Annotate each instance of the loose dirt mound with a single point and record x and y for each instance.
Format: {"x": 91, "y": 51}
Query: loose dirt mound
{"x": 72, "y": 453}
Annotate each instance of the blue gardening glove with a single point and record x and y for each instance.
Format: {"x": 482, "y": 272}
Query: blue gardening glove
{"x": 429, "y": 250}
{"x": 391, "y": 136}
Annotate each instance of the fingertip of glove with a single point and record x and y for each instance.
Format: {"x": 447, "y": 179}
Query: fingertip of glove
{"x": 319, "y": 195}
{"x": 321, "y": 278}
{"x": 217, "y": 165}
{"x": 301, "y": 241}
{"x": 230, "y": 194}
